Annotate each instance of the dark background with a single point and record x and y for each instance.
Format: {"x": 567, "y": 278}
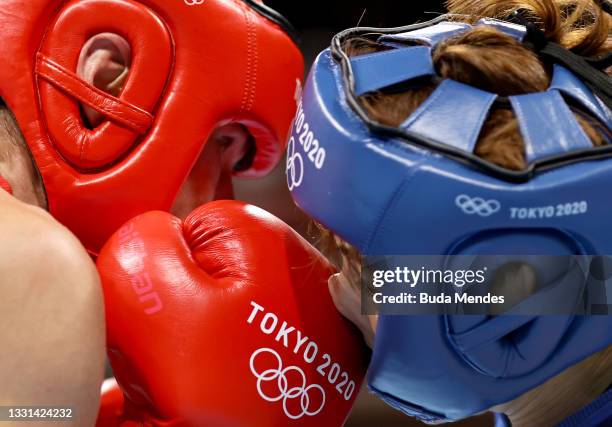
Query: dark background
{"x": 341, "y": 14}
{"x": 316, "y": 22}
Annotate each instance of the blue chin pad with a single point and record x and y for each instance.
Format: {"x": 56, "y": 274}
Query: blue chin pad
{"x": 387, "y": 195}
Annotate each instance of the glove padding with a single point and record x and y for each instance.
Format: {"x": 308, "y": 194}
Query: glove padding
{"x": 226, "y": 320}
{"x": 111, "y": 404}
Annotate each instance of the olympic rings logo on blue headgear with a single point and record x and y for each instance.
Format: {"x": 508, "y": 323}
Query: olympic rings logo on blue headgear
{"x": 477, "y": 205}
{"x": 295, "y": 166}
{"x": 286, "y": 393}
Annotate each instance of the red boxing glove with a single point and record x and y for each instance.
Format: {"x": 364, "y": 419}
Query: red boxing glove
{"x": 226, "y": 320}
{"x": 111, "y": 404}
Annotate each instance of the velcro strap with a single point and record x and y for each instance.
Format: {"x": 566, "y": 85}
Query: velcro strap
{"x": 548, "y": 126}
{"x": 379, "y": 70}
{"x": 568, "y": 84}
{"x": 115, "y": 109}
{"x": 453, "y": 115}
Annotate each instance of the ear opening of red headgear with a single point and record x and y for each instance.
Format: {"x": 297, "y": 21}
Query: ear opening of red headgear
{"x": 128, "y": 117}
{"x": 266, "y": 153}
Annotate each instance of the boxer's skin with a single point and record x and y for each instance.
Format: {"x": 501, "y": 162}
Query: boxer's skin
{"x": 16, "y": 164}
{"x": 211, "y": 177}
{"x": 51, "y": 313}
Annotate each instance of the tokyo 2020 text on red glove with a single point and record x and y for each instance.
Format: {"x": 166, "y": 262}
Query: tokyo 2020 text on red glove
{"x": 225, "y": 319}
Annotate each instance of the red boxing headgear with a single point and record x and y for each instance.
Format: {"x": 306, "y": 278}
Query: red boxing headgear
{"x": 194, "y": 65}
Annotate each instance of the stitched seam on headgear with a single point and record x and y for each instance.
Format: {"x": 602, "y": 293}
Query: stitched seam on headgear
{"x": 565, "y": 110}
{"x": 383, "y": 213}
{"x": 478, "y": 129}
{"x": 140, "y": 127}
{"x": 520, "y": 115}
{"x": 244, "y": 106}
{"x": 424, "y": 108}
{"x": 255, "y": 64}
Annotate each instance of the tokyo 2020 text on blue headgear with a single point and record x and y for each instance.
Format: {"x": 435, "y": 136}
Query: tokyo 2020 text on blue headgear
{"x": 419, "y": 189}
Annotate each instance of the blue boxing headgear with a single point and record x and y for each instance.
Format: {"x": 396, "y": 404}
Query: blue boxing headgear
{"x": 419, "y": 189}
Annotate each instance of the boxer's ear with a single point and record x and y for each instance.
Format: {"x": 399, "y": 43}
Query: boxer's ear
{"x": 104, "y": 62}
{"x": 238, "y": 146}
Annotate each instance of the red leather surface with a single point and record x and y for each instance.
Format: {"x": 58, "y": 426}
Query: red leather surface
{"x": 120, "y": 111}
{"x": 192, "y": 68}
{"x": 182, "y": 334}
{"x": 111, "y": 404}
{"x": 5, "y": 185}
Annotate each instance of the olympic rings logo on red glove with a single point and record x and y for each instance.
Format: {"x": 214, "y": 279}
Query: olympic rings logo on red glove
{"x": 193, "y": 2}
{"x": 286, "y": 393}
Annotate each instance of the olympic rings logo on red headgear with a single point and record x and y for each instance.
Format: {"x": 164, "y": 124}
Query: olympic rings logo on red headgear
{"x": 193, "y": 2}
{"x": 285, "y": 392}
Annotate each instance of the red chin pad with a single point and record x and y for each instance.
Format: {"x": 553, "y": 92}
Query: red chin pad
{"x": 5, "y": 185}
{"x": 192, "y": 66}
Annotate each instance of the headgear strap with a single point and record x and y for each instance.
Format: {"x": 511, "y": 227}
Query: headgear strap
{"x": 588, "y": 69}
{"x": 606, "y": 6}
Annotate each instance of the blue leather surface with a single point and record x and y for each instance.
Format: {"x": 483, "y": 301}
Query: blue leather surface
{"x": 517, "y": 31}
{"x": 382, "y": 69}
{"x": 461, "y": 126}
{"x": 430, "y": 36}
{"x": 568, "y": 84}
{"x": 548, "y": 126}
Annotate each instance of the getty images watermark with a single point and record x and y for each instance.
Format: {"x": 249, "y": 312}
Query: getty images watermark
{"x": 487, "y": 285}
